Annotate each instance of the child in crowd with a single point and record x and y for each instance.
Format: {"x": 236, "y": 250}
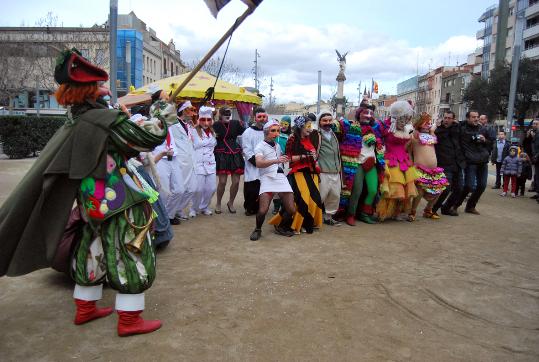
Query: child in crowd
{"x": 511, "y": 170}
{"x": 526, "y": 173}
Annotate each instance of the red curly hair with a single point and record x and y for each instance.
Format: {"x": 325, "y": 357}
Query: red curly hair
{"x": 423, "y": 118}
{"x": 70, "y": 94}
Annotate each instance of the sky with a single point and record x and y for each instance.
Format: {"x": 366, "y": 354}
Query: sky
{"x": 386, "y": 40}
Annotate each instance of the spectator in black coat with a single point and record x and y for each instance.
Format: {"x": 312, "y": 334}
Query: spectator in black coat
{"x": 450, "y": 157}
{"x": 476, "y": 145}
{"x": 499, "y": 152}
{"x": 535, "y": 157}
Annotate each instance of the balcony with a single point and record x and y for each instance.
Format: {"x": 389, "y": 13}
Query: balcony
{"x": 479, "y": 51}
{"x": 532, "y": 53}
{"x": 531, "y": 32}
{"x": 477, "y": 68}
{"x": 532, "y": 10}
{"x": 480, "y": 34}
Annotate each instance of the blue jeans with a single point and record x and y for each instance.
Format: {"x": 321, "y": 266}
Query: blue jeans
{"x": 475, "y": 181}
{"x": 453, "y": 191}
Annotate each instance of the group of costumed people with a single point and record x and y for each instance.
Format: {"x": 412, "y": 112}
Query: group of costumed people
{"x": 124, "y": 177}
{"x": 346, "y": 170}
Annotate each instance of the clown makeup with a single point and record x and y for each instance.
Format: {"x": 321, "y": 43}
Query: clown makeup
{"x": 261, "y": 117}
{"x": 366, "y": 116}
{"x": 205, "y": 123}
{"x": 307, "y": 129}
{"x": 273, "y": 132}
{"x": 325, "y": 122}
{"x": 284, "y": 126}
{"x": 426, "y": 126}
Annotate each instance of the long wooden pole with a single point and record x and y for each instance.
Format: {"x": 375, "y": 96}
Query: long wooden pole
{"x": 212, "y": 51}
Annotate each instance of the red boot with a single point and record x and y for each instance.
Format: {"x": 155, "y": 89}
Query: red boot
{"x": 351, "y": 220}
{"x": 130, "y": 323}
{"x": 87, "y": 311}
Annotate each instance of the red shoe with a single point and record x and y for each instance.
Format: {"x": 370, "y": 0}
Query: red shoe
{"x": 87, "y": 311}
{"x": 130, "y": 323}
{"x": 351, "y": 220}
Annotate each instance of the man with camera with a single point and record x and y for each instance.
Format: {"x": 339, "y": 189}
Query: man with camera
{"x": 476, "y": 145}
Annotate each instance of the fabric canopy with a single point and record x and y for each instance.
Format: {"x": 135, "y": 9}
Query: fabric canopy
{"x": 196, "y": 89}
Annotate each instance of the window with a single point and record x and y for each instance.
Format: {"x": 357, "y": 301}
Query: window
{"x": 165, "y": 67}
{"x": 100, "y": 56}
{"x": 511, "y": 11}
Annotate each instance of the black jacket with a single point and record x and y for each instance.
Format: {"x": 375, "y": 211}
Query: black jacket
{"x": 535, "y": 148}
{"x": 448, "y": 151}
{"x": 475, "y": 151}
{"x": 505, "y": 151}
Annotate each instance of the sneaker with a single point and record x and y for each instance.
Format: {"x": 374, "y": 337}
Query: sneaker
{"x": 536, "y": 196}
{"x": 282, "y": 231}
{"x": 175, "y": 221}
{"x": 207, "y": 212}
{"x": 472, "y": 211}
{"x": 450, "y": 212}
{"x": 255, "y": 235}
{"x": 513, "y": 195}
{"x": 192, "y": 213}
{"x": 332, "y": 222}
{"x": 503, "y": 194}
{"x": 182, "y": 217}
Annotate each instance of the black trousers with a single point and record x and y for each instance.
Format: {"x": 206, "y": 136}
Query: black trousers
{"x": 452, "y": 192}
{"x": 250, "y": 196}
{"x": 498, "y": 175}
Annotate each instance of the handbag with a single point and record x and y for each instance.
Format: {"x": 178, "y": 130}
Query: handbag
{"x": 70, "y": 238}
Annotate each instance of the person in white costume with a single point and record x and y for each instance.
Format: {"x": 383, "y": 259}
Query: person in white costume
{"x": 269, "y": 161}
{"x": 183, "y": 137}
{"x": 249, "y": 140}
{"x": 204, "y": 143}
{"x": 171, "y": 182}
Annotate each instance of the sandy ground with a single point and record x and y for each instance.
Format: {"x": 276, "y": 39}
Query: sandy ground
{"x": 462, "y": 288}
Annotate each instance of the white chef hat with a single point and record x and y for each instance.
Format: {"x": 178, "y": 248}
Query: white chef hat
{"x": 205, "y": 112}
{"x": 271, "y": 122}
{"x": 184, "y": 105}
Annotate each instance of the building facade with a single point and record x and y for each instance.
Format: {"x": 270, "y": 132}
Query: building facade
{"x": 28, "y": 57}
{"x": 407, "y": 90}
{"x": 453, "y": 86}
{"x": 498, "y": 34}
{"x": 159, "y": 59}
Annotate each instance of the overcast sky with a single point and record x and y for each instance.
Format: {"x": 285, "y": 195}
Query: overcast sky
{"x": 388, "y": 40}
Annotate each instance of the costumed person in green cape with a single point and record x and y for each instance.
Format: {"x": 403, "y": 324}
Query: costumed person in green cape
{"x": 86, "y": 161}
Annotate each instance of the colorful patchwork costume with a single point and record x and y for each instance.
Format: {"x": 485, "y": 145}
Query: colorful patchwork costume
{"x": 87, "y": 160}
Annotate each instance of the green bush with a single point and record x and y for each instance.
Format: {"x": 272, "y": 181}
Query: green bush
{"x": 24, "y": 136}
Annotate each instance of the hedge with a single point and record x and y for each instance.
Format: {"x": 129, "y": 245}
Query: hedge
{"x": 24, "y": 136}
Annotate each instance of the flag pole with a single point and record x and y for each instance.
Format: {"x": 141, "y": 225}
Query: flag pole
{"x": 211, "y": 52}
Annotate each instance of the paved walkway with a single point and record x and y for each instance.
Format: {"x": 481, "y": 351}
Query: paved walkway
{"x": 462, "y": 288}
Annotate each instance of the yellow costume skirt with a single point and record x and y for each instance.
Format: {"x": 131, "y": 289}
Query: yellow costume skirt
{"x": 397, "y": 190}
{"x": 308, "y": 202}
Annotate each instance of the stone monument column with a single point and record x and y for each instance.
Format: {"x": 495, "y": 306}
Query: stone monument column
{"x": 339, "y": 99}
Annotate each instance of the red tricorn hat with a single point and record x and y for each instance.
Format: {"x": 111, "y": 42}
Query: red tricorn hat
{"x": 72, "y": 67}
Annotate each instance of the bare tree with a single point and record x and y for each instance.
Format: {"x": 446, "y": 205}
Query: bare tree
{"x": 29, "y": 62}
{"x": 229, "y": 72}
